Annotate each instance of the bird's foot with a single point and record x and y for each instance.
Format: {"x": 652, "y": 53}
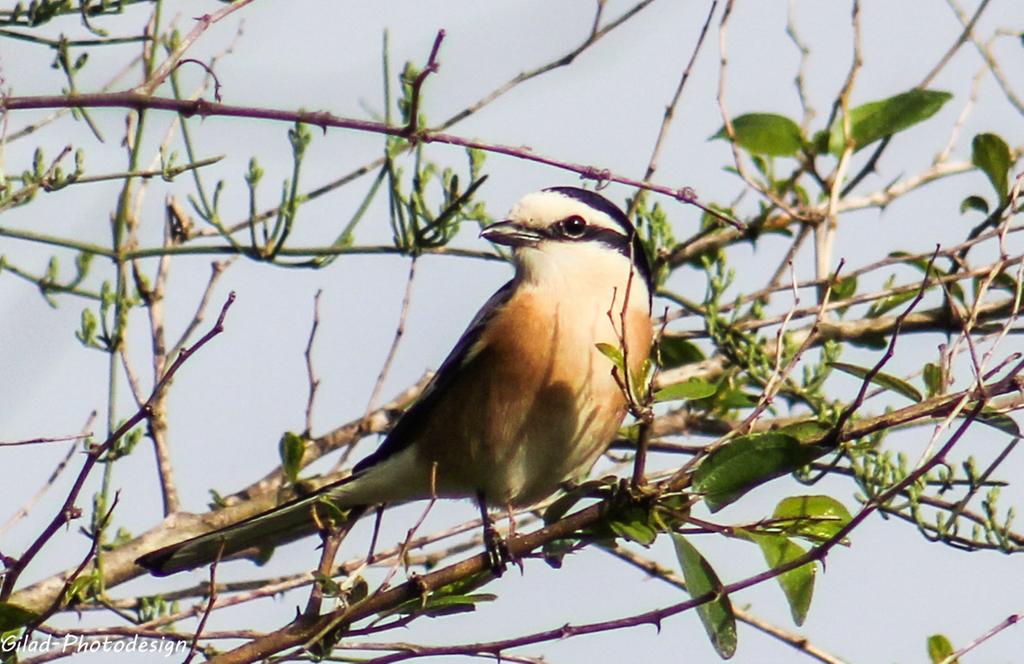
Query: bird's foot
{"x": 498, "y": 554}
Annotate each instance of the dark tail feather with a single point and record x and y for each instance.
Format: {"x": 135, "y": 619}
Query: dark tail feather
{"x": 280, "y": 525}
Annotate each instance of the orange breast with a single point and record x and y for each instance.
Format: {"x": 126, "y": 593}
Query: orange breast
{"x": 535, "y": 404}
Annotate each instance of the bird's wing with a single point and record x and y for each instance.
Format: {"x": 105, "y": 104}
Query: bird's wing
{"x": 404, "y": 432}
{"x": 294, "y": 519}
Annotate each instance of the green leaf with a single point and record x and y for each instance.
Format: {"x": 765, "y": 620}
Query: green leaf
{"x": 717, "y": 615}
{"x": 748, "y": 461}
{"x": 877, "y": 119}
{"x": 674, "y": 352}
{"x": 633, "y": 524}
{"x": 807, "y": 431}
{"x": 613, "y": 353}
{"x": 561, "y": 506}
{"x": 888, "y": 303}
{"x": 455, "y": 597}
{"x": 641, "y": 380}
{"x": 358, "y": 591}
{"x": 555, "y": 550}
{"x": 817, "y": 518}
{"x": 14, "y": 617}
{"x": 765, "y": 133}
{"x": 78, "y": 590}
{"x": 844, "y": 288}
{"x": 933, "y": 379}
{"x": 939, "y": 648}
{"x": 1000, "y": 421}
{"x": 1002, "y": 281}
{"x": 992, "y": 155}
{"x": 820, "y": 142}
{"x": 798, "y": 583}
{"x": 325, "y": 511}
{"x": 930, "y": 271}
{"x": 735, "y": 398}
{"x": 974, "y": 203}
{"x": 292, "y": 448}
{"x": 881, "y": 379}
{"x": 694, "y": 388}
{"x": 443, "y": 606}
{"x": 328, "y": 585}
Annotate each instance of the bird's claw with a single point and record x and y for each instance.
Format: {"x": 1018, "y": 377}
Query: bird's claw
{"x": 498, "y": 555}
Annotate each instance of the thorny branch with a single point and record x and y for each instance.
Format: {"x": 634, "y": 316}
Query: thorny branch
{"x": 325, "y": 120}
{"x": 297, "y": 634}
{"x": 202, "y": 24}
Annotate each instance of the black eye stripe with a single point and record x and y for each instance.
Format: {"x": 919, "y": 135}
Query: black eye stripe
{"x": 616, "y": 241}
{"x": 606, "y": 236}
{"x": 561, "y": 231}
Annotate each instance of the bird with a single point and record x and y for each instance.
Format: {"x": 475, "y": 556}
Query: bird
{"x": 525, "y": 402}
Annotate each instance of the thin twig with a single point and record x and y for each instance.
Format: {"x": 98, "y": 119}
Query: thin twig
{"x": 171, "y": 63}
{"x": 27, "y": 507}
{"x": 848, "y": 412}
{"x": 193, "y": 647}
{"x": 385, "y": 369}
{"x": 756, "y": 324}
{"x": 825, "y": 232}
{"x": 295, "y": 635}
{"x": 323, "y": 119}
{"x": 40, "y": 441}
{"x": 68, "y": 509}
{"x": 730, "y": 131}
{"x": 330, "y": 540}
{"x": 960, "y": 41}
{"x": 414, "y": 103}
{"x": 314, "y": 382}
{"x": 801, "y": 74}
{"x": 1007, "y": 622}
{"x": 523, "y": 77}
{"x": 986, "y": 54}
{"x": 62, "y": 597}
{"x": 799, "y": 643}
{"x": 217, "y": 269}
{"x": 670, "y": 110}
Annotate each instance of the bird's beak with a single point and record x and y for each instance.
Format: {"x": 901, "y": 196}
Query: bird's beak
{"x": 511, "y": 234}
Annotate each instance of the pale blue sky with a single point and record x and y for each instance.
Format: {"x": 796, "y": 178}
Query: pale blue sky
{"x": 878, "y": 601}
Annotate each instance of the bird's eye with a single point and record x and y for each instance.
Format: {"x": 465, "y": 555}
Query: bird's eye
{"x": 574, "y": 226}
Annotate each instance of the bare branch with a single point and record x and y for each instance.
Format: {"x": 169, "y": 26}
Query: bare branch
{"x": 27, "y": 507}
{"x": 1006, "y": 623}
{"x": 68, "y": 511}
{"x": 314, "y": 382}
{"x": 173, "y": 60}
{"x": 414, "y": 104}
